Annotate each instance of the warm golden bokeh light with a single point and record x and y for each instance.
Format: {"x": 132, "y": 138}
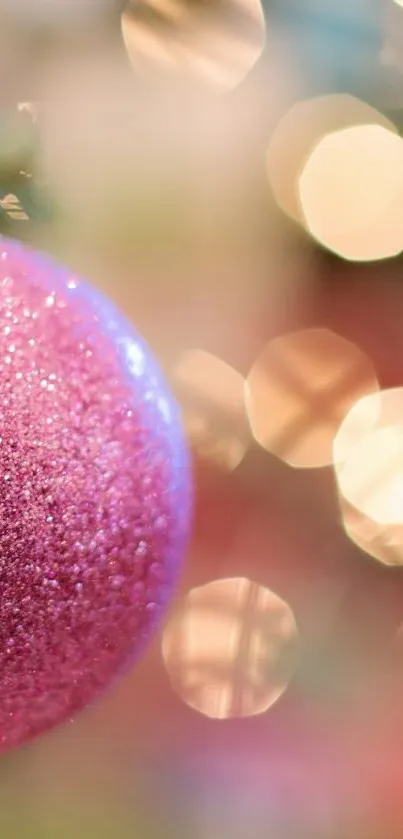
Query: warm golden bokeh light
{"x": 368, "y": 456}
{"x": 211, "y": 393}
{"x": 230, "y": 649}
{"x": 351, "y": 192}
{"x": 217, "y": 44}
{"x": 299, "y": 132}
{"x": 299, "y": 390}
{"x": 382, "y": 542}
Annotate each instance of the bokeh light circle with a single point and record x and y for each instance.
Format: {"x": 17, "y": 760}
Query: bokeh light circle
{"x": 230, "y": 648}
{"x": 368, "y": 457}
{"x": 381, "y": 542}
{"x": 215, "y": 44}
{"x": 351, "y": 193}
{"x": 300, "y": 388}
{"x": 298, "y": 133}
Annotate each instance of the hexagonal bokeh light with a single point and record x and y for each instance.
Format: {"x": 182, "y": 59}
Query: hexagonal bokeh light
{"x": 382, "y": 542}
{"x": 300, "y": 388}
{"x": 368, "y": 457}
{"x": 214, "y": 43}
{"x": 351, "y": 193}
{"x": 211, "y": 393}
{"x": 230, "y": 649}
{"x": 299, "y": 132}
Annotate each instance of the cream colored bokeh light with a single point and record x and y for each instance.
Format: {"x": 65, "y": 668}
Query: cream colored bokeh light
{"x": 368, "y": 457}
{"x": 351, "y": 193}
{"x": 230, "y": 649}
{"x": 218, "y": 44}
{"x": 299, "y": 132}
{"x": 381, "y": 541}
{"x": 299, "y": 390}
{"x": 211, "y": 393}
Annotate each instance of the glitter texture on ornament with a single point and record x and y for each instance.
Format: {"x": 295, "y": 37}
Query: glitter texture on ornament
{"x": 94, "y": 493}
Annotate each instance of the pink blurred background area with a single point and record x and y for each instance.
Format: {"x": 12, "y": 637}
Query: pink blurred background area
{"x": 232, "y": 175}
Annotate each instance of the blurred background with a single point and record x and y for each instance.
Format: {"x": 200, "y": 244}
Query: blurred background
{"x": 232, "y": 175}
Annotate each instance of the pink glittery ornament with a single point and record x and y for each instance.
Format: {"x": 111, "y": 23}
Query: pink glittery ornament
{"x": 94, "y": 493}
